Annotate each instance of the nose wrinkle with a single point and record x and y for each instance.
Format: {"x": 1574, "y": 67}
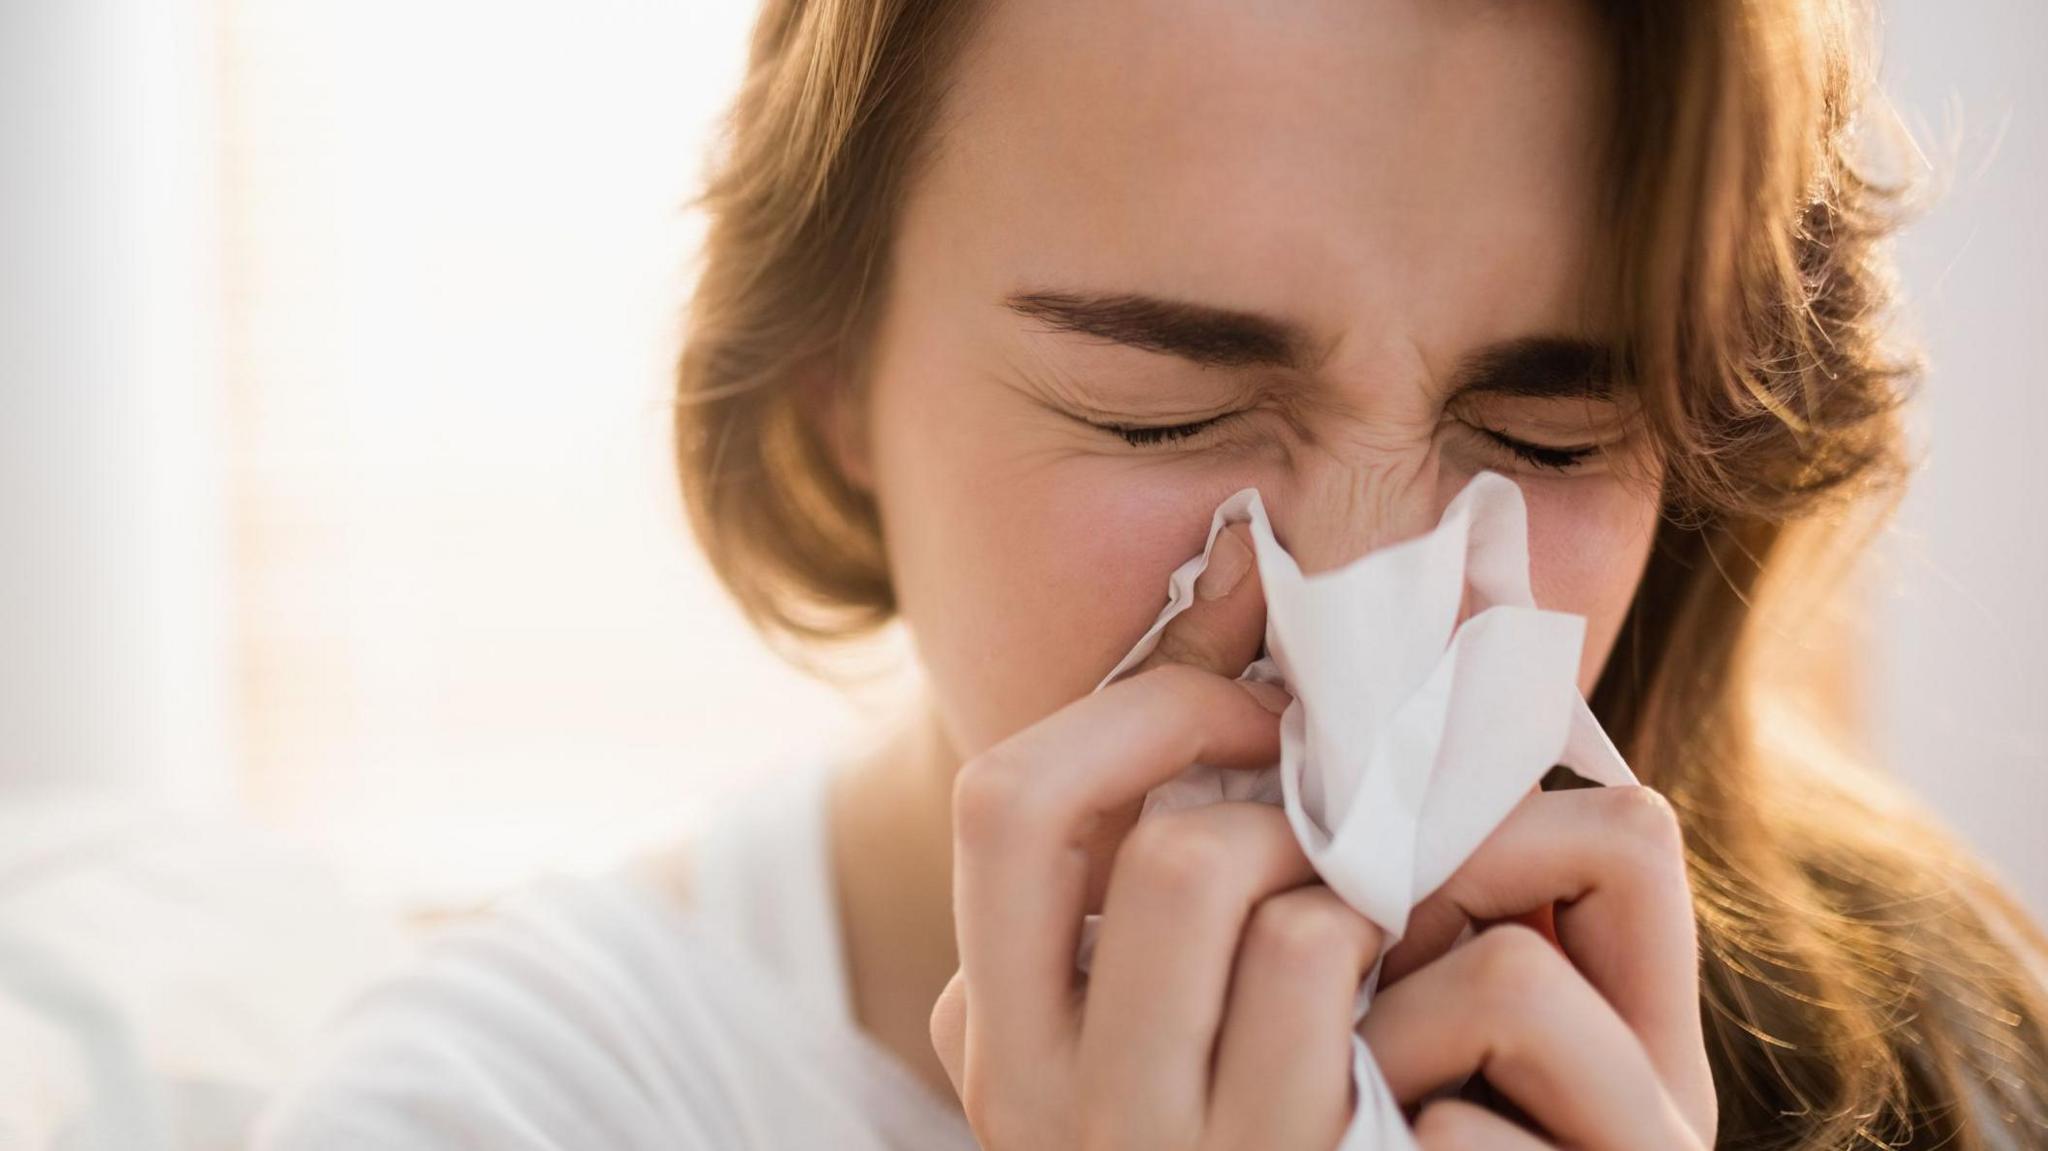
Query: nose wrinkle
{"x": 1345, "y": 508}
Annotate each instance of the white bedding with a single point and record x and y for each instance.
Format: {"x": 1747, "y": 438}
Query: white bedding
{"x": 158, "y": 975}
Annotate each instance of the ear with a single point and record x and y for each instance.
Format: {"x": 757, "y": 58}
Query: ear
{"x": 836, "y": 406}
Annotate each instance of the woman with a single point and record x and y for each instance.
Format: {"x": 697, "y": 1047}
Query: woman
{"x": 998, "y": 302}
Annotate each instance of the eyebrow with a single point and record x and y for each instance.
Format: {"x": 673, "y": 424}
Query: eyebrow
{"x": 1212, "y": 337}
{"x": 1537, "y": 367}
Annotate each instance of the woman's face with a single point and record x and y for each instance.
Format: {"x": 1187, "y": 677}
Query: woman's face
{"x": 1348, "y": 238}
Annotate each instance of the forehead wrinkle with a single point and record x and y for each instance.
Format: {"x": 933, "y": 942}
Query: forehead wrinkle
{"x": 1385, "y": 376}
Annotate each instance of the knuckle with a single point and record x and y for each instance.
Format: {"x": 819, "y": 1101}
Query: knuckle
{"x": 1648, "y": 823}
{"x": 1175, "y": 855}
{"x": 1301, "y": 930}
{"x": 947, "y": 1025}
{"x": 1512, "y": 965}
{"x": 990, "y": 796}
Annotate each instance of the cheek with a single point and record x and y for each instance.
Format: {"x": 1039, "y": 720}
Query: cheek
{"x": 1589, "y": 539}
{"x": 1023, "y": 579}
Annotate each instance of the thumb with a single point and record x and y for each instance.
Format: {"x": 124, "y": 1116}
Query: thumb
{"x": 1222, "y": 630}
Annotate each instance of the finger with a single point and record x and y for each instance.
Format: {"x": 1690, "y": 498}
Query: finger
{"x": 1222, "y": 630}
{"x": 1283, "y": 1062}
{"x": 1022, "y": 816}
{"x": 1183, "y": 885}
{"x": 949, "y": 1030}
{"x": 1455, "y": 1125}
{"x": 1436, "y": 924}
{"x": 1612, "y": 861}
{"x": 1508, "y": 1005}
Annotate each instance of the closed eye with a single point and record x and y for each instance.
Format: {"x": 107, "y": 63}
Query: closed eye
{"x": 1546, "y": 456}
{"x": 1144, "y": 436}
{"x": 1539, "y": 455}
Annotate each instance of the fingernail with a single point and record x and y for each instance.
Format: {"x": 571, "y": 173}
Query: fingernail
{"x": 1228, "y": 561}
{"x": 1271, "y": 696}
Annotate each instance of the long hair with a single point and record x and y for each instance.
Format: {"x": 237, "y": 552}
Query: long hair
{"x": 1864, "y": 982}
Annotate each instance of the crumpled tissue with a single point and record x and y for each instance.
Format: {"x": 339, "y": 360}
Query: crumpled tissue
{"x": 1411, "y": 735}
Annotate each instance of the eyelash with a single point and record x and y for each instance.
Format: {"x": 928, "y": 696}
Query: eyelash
{"x": 1540, "y": 455}
{"x": 1535, "y": 455}
{"x": 1140, "y": 437}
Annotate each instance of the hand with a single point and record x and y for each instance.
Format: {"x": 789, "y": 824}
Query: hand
{"x": 1218, "y": 1008}
{"x": 1596, "y": 1038}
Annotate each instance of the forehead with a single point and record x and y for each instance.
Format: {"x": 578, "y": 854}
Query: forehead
{"x": 1426, "y": 162}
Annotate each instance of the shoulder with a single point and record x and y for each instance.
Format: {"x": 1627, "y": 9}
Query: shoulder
{"x": 577, "y": 1014}
{"x": 696, "y": 999}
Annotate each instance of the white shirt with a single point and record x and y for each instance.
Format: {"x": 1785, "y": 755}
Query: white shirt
{"x": 605, "y": 1013}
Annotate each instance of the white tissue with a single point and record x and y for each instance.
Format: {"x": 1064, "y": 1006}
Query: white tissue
{"x": 1407, "y": 741}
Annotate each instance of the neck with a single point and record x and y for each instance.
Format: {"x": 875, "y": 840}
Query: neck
{"x": 891, "y": 830}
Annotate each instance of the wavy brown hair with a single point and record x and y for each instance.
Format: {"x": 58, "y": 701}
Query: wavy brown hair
{"x": 1864, "y": 982}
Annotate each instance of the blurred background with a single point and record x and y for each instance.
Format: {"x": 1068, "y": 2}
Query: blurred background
{"x": 335, "y": 501}
{"x": 335, "y": 429}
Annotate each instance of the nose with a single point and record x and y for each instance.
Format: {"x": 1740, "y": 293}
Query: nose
{"x": 1339, "y": 505}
